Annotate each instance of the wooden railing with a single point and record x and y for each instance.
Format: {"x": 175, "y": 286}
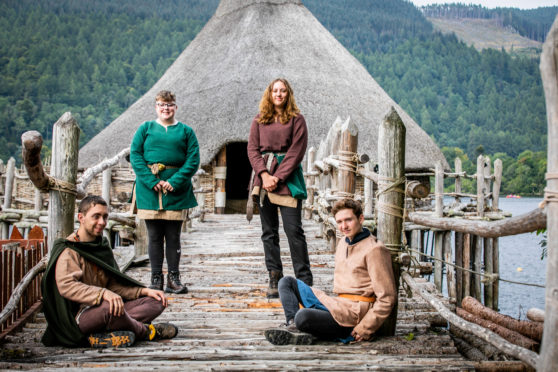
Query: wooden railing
{"x": 22, "y": 260}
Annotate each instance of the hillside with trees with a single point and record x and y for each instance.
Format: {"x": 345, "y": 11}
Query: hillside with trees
{"x": 96, "y": 58}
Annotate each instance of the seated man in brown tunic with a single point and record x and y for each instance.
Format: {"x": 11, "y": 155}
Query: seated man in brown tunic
{"x": 85, "y": 296}
{"x": 363, "y": 282}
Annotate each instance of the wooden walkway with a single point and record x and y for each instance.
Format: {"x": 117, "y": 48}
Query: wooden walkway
{"x": 222, "y": 319}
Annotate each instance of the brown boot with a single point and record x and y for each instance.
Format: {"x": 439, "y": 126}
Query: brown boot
{"x": 173, "y": 283}
{"x": 157, "y": 281}
{"x": 272, "y": 290}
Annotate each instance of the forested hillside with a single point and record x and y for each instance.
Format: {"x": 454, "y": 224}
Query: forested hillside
{"x": 531, "y": 23}
{"x": 96, "y": 58}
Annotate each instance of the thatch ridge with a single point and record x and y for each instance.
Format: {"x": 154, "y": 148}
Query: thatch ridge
{"x": 221, "y": 75}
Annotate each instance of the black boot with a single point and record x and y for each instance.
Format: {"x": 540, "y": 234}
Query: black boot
{"x": 272, "y": 291}
{"x": 157, "y": 281}
{"x": 173, "y": 283}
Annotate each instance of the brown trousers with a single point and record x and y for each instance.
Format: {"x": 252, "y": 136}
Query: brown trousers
{"x": 136, "y": 314}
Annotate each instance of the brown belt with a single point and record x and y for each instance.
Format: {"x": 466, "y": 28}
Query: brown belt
{"x": 354, "y": 297}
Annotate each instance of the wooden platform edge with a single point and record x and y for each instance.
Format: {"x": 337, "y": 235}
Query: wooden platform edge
{"x": 18, "y": 324}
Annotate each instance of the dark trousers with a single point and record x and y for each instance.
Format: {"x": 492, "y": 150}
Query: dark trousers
{"x": 292, "y": 224}
{"x": 319, "y": 323}
{"x": 159, "y": 232}
{"x": 136, "y": 314}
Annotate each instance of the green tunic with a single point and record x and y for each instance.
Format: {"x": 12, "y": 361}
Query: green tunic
{"x": 174, "y": 145}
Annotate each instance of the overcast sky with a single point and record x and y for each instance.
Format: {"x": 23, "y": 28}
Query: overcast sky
{"x": 522, "y": 4}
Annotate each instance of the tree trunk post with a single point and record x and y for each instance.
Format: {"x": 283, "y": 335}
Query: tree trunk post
{"x": 467, "y": 265}
{"x": 61, "y": 207}
{"x": 391, "y": 163}
{"x": 496, "y": 270}
{"x": 439, "y": 190}
{"x": 458, "y": 170}
{"x": 458, "y": 272}
{"x": 8, "y": 192}
{"x": 347, "y": 150}
{"x": 488, "y": 269}
{"x": 335, "y": 146}
{"x": 140, "y": 238}
{"x": 487, "y": 180}
{"x": 477, "y": 267}
{"x": 311, "y": 183}
{"x": 496, "y": 185}
{"x": 438, "y": 255}
{"x": 450, "y": 270}
{"x": 220, "y": 181}
{"x": 38, "y": 201}
{"x": 548, "y": 360}
{"x": 368, "y": 194}
{"x": 480, "y": 185}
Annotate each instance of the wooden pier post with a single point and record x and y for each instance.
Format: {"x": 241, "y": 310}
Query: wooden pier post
{"x": 8, "y": 192}
{"x": 368, "y": 194}
{"x": 62, "y": 199}
{"x": 438, "y": 255}
{"x": 450, "y": 270}
{"x": 391, "y": 164}
{"x": 467, "y": 265}
{"x": 488, "y": 269}
{"x": 38, "y": 200}
{"x": 458, "y": 181}
{"x": 496, "y": 185}
{"x": 334, "y": 146}
{"x": 477, "y": 267}
{"x": 439, "y": 190}
{"x": 106, "y": 181}
{"x": 548, "y": 360}
{"x": 459, "y": 239}
{"x": 311, "y": 182}
{"x": 487, "y": 181}
{"x": 496, "y": 270}
{"x": 347, "y": 151}
{"x": 220, "y": 182}
{"x": 480, "y": 185}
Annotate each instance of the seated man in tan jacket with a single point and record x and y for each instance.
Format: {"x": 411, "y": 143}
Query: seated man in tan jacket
{"x": 363, "y": 282}
{"x": 87, "y": 300}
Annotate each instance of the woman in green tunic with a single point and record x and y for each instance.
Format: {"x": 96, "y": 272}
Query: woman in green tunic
{"x": 165, "y": 156}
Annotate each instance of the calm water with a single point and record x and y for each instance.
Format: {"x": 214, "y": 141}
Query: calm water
{"x": 520, "y": 261}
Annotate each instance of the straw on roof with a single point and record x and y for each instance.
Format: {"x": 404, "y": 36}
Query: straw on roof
{"x": 221, "y": 75}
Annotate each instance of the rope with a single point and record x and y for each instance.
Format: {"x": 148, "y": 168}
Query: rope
{"x": 550, "y": 196}
{"x": 61, "y": 186}
{"x": 487, "y": 278}
{"x": 348, "y": 161}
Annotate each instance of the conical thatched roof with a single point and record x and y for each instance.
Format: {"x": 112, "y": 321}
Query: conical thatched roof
{"x": 220, "y": 77}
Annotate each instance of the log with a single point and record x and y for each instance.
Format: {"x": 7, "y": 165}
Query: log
{"x": 529, "y": 329}
{"x": 480, "y": 185}
{"x": 417, "y": 190}
{"x": 549, "y": 75}
{"x": 65, "y": 148}
{"x": 368, "y": 209}
{"x": 367, "y": 173}
{"x": 527, "y": 222}
{"x": 512, "y": 336}
{"x": 491, "y": 352}
{"x": 11, "y": 306}
{"x": 468, "y": 350}
{"x": 220, "y": 182}
{"x": 90, "y": 173}
{"x": 508, "y": 348}
{"x": 458, "y": 182}
{"x": 496, "y": 269}
{"x": 497, "y": 184}
{"x": 346, "y": 173}
{"x": 32, "y": 143}
{"x": 334, "y": 140}
{"x": 391, "y": 163}
{"x": 488, "y": 269}
{"x": 535, "y": 315}
{"x": 9, "y": 188}
{"x": 310, "y": 166}
{"x": 439, "y": 190}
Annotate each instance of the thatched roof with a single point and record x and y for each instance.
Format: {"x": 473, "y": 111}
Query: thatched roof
{"x": 220, "y": 77}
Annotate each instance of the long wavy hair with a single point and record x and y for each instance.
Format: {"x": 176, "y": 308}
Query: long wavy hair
{"x": 267, "y": 109}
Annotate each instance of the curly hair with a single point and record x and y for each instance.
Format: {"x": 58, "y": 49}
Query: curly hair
{"x": 165, "y": 96}
{"x": 267, "y": 109}
{"x": 354, "y": 205}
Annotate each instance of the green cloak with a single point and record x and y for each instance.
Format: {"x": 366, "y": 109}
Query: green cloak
{"x": 60, "y": 313}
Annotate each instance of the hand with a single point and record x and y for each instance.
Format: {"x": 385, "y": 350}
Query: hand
{"x": 116, "y": 305}
{"x": 158, "y": 295}
{"x": 269, "y": 182}
{"x": 163, "y": 186}
{"x": 358, "y": 338}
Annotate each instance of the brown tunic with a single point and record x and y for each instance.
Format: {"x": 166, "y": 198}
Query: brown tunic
{"x": 290, "y": 138}
{"x": 83, "y": 282}
{"x": 361, "y": 269}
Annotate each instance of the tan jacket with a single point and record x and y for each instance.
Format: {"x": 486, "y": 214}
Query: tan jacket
{"x": 362, "y": 269}
{"x": 83, "y": 282}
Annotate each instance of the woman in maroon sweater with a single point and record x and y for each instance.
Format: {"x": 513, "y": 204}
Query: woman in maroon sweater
{"x": 276, "y": 147}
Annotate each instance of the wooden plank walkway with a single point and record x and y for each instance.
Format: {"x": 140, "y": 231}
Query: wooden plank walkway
{"x": 222, "y": 319}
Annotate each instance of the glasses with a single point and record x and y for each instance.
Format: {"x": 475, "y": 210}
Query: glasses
{"x": 167, "y": 105}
